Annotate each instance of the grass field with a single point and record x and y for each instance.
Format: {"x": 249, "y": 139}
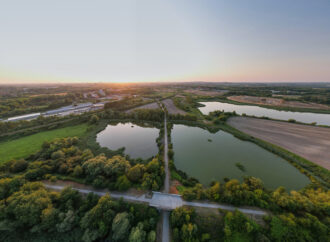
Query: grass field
{"x": 25, "y": 146}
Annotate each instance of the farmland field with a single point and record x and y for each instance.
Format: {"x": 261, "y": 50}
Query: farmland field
{"x": 25, "y": 146}
{"x": 312, "y": 143}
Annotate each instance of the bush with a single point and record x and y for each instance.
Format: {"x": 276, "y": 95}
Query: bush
{"x": 123, "y": 183}
{"x": 18, "y": 166}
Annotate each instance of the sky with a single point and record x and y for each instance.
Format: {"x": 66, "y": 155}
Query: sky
{"x": 170, "y": 40}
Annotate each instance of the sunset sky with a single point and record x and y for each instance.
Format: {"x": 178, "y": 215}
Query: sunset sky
{"x": 169, "y": 40}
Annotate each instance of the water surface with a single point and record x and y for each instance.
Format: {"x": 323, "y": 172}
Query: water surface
{"x": 319, "y": 118}
{"x": 209, "y": 157}
{"x": 139, "y": 142}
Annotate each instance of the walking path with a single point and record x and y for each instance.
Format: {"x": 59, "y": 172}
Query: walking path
{"x": 174, "y": 201}
{"x": 162, "y": 201}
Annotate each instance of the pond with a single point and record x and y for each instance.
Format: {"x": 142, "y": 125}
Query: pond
{"x": 319, "y": 118}
{"x": 214, "y": 156}
{"x": 139, "y": 142}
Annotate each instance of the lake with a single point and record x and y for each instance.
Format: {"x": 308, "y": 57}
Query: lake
{"x": 139, "y": 142}
{"x": 319, "y": 118}
{"x": 209, "y": 157}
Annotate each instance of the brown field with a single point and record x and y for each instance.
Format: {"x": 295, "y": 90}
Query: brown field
{"x": 171, "y": 108}
{"x": 309, "y": 142}
{"x": 206, "y": 93}
{"x": 146, "y": 106}
{"x": 276, "y": 102}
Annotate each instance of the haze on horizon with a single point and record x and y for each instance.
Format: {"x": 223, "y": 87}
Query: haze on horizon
{"x": 153, "y": 40}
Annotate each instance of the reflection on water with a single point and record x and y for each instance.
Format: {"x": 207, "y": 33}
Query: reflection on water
{"x": 139, "y": 142}
{"x": 210, "y": 157}
{"x": 321, "y": 119}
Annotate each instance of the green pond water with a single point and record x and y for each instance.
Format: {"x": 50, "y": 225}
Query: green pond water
{"x": 139, "y": 142}
{"x": 210, "y": 157}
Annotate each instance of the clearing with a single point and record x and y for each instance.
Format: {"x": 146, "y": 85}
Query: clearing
{"x": 171, "y": 108}
{"x": 28, "y": 145}
{"x": 310, "y": 142}
{"x": 146, "y": 106}
{"x": 276, "y": 102}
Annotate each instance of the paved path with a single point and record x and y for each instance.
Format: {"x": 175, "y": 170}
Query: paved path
{"x": 162, "y": 201}
{"x": 167, "y": 172}
{"x": 166, "y": 214}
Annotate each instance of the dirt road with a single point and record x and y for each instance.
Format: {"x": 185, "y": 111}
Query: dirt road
{"x": 312, "y": 143}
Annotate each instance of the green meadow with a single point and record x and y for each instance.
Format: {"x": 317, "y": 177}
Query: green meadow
{"x": 25, "y": 146}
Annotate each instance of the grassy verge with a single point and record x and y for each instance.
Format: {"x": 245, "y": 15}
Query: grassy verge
{"x": 28, "y": 145}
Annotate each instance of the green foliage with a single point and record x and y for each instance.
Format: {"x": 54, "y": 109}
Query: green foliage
{"x": 239, "y": 228}
{"x": 137, "y": 234}
{"x": 62, "y": 156}
{"x": 18, "y": 166}
{"x": 120, "y": 226}
{"x": 183, "y": 224}
{"x": 34, "y": 212}
{"x": 136, "y": 172}
{"x": 94, "y": 119}
{"x": 123, "y": 183}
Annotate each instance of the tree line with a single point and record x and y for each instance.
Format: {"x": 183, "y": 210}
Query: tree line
{"x": 63, "y": 157}
{"x": 296, "y": 216}
{"x": 30, "y": 212}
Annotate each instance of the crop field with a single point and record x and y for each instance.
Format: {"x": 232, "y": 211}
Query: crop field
{"x": 310, "y": 142}
{"x": 25, "y": 146}
{"x": 277, "y": 102}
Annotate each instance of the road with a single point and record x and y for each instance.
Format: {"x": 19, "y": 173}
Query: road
{"x": 167, "y": 173}
{"x": 166, "y": 214}
{"x": 162, "y": 201}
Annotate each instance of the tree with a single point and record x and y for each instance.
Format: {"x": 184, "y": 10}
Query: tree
{"x": 58, "y": 155}
{"x": 26, "y": 206}
{"x": 68, "y": 221}
{"x": 78, "y": 171}
{"x": 18, "y": 165}
{"x": 120, "y": 226}
{"x": 116, "y": 166}
{"x": 94, "y": 119}
{"x": 151, "y": 236}
{"x": 137, "y": 233}
{"x": 98, "y": 220}
{"x": 135, "y": 173}
{"x": 95, "y": 166}
{"x": 123, "y": 183}
{"x": 153, "y": 166}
